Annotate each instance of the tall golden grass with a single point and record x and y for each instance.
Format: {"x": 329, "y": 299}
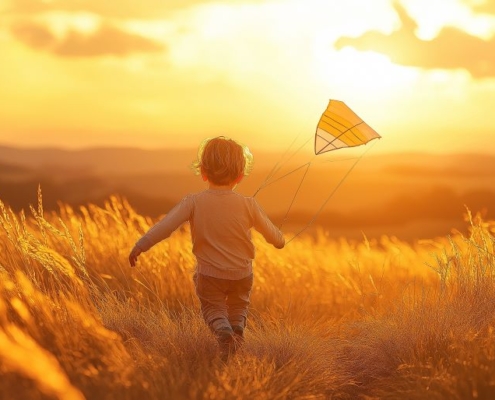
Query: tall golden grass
{"x": 329, "y": 318}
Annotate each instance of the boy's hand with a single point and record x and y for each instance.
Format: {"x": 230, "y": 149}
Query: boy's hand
{"x": 135, "y": 252}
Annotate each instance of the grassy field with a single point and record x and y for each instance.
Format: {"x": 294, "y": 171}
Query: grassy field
{"x": 329, "y": 319}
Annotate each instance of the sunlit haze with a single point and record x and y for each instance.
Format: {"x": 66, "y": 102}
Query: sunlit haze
{"x": 156, "y": 74}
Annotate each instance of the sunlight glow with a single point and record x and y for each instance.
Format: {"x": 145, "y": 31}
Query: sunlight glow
{"x": 257, "y": 68}
{"x": 363, "y": 72}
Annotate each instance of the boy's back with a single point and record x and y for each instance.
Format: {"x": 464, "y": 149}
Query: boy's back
{"x": 220, "y": 221}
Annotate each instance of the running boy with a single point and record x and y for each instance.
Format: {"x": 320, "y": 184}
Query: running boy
{"x": 220, "y": 221}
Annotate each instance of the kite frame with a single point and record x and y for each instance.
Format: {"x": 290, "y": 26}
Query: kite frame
{"x": 322, "y": 150}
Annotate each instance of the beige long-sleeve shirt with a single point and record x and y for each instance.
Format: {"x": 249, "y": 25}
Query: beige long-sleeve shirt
{"x": 221, "y": 222}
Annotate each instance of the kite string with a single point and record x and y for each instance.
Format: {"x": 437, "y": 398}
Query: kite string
{"x": 283, "y": 176}
{"x": 265, "y": 184}
{"x": 295, "y": 194}
{"x": 279, "y": 164}
{"x": 331, "y": 195}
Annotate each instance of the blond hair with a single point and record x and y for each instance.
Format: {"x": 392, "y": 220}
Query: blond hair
{"x": 223, "y": 160}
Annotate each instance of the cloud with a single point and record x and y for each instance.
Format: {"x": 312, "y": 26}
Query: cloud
{"x": 106, "y": 40}
{"x": 33, "y": 35}
{"x": 487, "y": 7}
{"x": 451, "y": 49}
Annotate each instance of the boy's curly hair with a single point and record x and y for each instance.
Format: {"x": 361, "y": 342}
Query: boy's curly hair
{"x": 223, "y": 160}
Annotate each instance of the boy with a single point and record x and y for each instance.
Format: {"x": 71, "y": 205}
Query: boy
{"x": 220, "y": 221}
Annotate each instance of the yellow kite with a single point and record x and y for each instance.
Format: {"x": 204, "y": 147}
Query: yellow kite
{"x": 340, "y": 127}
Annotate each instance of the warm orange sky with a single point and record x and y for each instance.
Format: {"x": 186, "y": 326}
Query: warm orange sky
{"x": 155, "y": 73}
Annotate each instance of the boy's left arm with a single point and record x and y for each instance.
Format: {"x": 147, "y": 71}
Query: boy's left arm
{"x": 270, "y": 232}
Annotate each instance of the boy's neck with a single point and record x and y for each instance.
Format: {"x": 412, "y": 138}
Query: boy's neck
{"x": 221, "y": 187}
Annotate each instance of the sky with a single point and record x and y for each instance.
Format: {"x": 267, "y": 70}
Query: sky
{"x": 166, "y": 74}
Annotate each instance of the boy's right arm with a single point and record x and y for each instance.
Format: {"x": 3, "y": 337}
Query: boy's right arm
{"x": 162, "y": 229}
{"x": 135, "y": 252}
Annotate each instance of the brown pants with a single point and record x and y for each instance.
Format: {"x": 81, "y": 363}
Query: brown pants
{"x": 224, "y": 302}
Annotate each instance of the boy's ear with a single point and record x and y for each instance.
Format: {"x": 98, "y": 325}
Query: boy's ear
{"x": 239, "y": 178}
{"x": 203, "y": 174}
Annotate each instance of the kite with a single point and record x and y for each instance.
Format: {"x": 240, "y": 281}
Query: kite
{"x": 340, "y": 127}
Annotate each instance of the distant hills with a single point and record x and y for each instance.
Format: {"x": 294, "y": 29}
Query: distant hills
{"x": 410, "y": 195}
